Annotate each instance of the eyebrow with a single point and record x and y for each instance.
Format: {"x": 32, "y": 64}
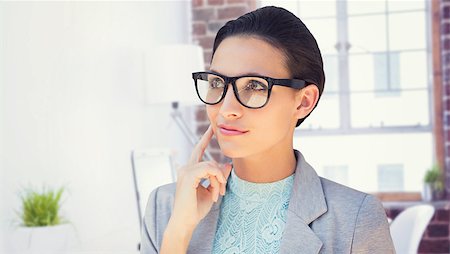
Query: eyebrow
{"x": 244, "y": 74}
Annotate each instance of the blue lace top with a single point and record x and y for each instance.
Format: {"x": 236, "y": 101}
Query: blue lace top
{"x": 252, "y": 216}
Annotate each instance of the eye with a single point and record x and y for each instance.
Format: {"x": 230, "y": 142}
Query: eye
{"x": 255, "y": 85}
{"x": 216, "y": 83}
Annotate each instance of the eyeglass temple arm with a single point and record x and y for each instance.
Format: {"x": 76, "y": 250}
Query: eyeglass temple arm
{"x": 293, "y": 83}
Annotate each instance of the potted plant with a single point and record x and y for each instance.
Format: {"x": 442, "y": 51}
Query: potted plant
{"x": 433, "y": 184}
{"x": 41, "y": 227}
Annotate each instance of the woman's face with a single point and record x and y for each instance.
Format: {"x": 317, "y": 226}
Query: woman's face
{"x": 265, "y": 128}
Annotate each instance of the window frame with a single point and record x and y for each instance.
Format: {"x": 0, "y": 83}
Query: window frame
{"x": 343, "y": 79}
{"x": 434, "y": 126}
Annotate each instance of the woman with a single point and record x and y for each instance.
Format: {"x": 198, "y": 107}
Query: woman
{"x": 269, "y": 199}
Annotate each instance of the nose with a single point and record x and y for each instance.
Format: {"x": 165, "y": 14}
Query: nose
{"x": 230, "y": 106}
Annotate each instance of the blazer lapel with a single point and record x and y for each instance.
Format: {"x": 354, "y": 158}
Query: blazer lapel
{"x": 306, "y": 204}
{"x": 298, "y": 237}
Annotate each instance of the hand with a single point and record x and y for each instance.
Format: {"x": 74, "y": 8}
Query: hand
{"x": 192, "y": 200}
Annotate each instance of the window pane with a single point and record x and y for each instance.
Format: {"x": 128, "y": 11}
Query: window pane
{"x": 314, "y": 8}
{"x": 407, "y": 31}
{"x": 325, "y": 33}
{"x": 413, "y": 69}
{"x": 330, "y": 67}
{"x": 380, "y": 71}
{"x": 361, "y": 72}
{"x": 408, "y": 70}
{"x": 390, "y": 177}
{"x": 386, "y": 72}
{"x": 337, "y": 173}
{"x": 363, "y": 39}
{"x": 371, "y": 110}
{"x": 365, "y": 7}
{"x": 405, "y": 5}
{"x": 326, "y": 115}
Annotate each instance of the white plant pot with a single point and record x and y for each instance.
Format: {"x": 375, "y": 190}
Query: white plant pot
{"x": 34, "y": 240}
{"x": 427, "y": 192}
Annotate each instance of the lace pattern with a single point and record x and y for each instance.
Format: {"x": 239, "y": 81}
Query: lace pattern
{"x": 252, "y": 216}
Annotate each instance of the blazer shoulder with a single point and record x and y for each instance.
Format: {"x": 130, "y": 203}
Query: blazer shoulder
{"x": 348, "y": 202}
{"x": 364, "y": 216}
{"x": 338, "y": 193}
{"x": 166, "y": 191}
{"x": 156, "y": 216}
{"x": 162, "y": 197}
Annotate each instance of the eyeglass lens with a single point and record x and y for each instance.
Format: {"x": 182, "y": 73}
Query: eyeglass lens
{"x": 252, "y": 91}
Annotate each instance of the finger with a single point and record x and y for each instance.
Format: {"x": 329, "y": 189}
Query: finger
{"x": 201, "y": 146}
{"x": 215, "y": 188}
{"x": 205, "y": 170}
{"x": 217, "y": 167}
{"x": 223, "y": 188}
{"x": 222, "y": 185}
{"x": 226, "y": 170}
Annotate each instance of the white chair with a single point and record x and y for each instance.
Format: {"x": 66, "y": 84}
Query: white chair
{"x": 408, "y": 227}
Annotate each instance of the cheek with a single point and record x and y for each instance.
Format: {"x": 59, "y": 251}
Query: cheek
{"x": 280, "y": 109}
{"x": 270, "y": 121}
{"x": 211, "y": 112}
{"x": 274, "y": 121}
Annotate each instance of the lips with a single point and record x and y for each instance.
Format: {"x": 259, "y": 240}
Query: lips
{"x": 231, "y": 128}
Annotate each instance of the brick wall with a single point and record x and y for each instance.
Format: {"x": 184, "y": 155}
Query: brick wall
{"x": 445, "y": 56}
{"x": 208, "y": 16}
{"x": 436, "y": 237}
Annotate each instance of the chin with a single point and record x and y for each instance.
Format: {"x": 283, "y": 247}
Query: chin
{"x": 233, "y": 151}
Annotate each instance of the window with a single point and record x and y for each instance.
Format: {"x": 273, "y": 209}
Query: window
{"x": 386, "y": 73}
{"x": 337, "y": 173}
{"x": 376, "y": 105}
{"x": 390, "y": 177}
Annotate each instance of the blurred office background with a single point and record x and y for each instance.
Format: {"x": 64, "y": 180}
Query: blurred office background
{"x": 76, "y": 93}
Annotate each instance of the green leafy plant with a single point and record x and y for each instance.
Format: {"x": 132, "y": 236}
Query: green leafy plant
{"x": 41, "y": 208}
{"x": 434, "y": 177}
{"x": 432, "y": 174}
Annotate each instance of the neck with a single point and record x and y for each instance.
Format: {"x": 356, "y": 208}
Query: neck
{"x": 268, "y": 166}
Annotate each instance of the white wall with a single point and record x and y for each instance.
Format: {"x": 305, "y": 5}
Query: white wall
{"x": 73, "y": 108}
{"x": 2, "y": 176}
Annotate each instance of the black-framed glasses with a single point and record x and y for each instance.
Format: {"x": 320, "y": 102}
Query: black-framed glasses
{"x": 252, "y": 91}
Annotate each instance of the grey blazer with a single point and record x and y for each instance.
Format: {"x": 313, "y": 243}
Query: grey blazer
{"x": 323, "y": 217}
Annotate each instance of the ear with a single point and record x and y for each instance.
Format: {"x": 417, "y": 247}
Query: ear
{"x": 305, "y": 100}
